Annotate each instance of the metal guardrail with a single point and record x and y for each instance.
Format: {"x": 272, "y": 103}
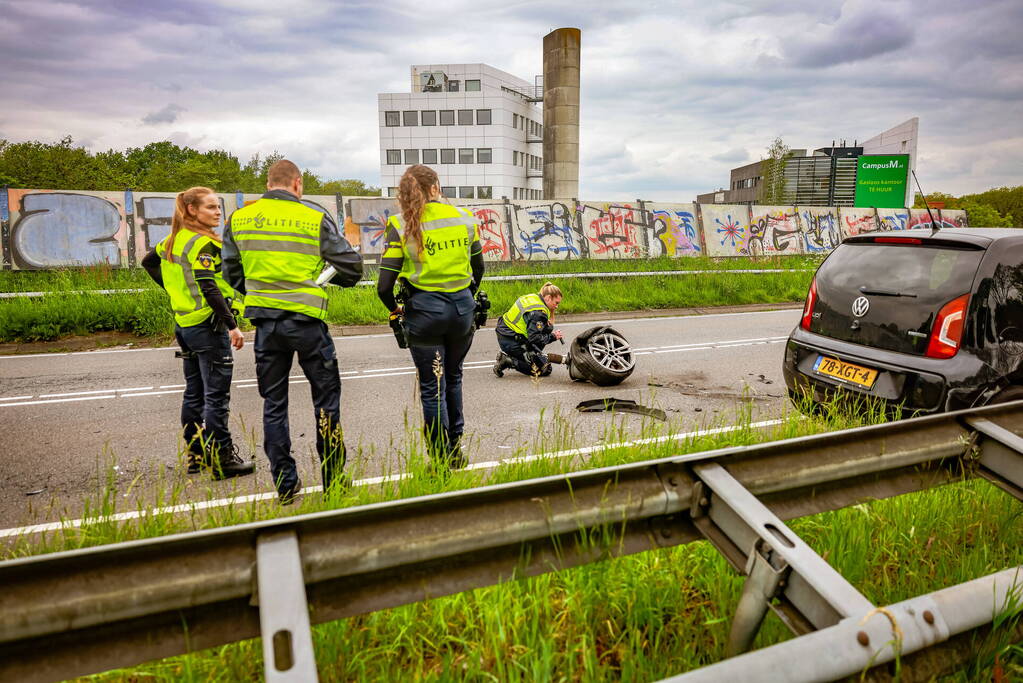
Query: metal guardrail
{"x": 91, "y": 610}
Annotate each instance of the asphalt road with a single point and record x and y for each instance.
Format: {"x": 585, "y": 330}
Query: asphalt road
{"x": 71, "y": 422}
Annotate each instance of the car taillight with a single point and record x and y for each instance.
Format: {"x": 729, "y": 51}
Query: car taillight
{"x": 811, "y": 300}
{"x": 897, "y": 240}
{"x": 947, "y": 333}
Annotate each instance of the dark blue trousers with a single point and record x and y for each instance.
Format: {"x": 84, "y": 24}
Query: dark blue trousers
{"x": 519, "y": 351}
{"x": 439, "y": 327}
{"x": 208, "y": 365}
{"x": 277, "y": 343}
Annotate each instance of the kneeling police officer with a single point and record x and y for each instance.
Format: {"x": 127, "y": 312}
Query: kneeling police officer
{"x": 525, "y": 330}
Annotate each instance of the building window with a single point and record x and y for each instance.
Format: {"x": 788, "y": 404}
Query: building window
{"x": 410, "y": 118}
{"x": 448, "y": 192}
{"x": 447, "y": 117}
{"x": 429, "y": 118}
{"x": 465, "y": 117}
{"x": 484, "y": 155}
{"x": 472, "y": 85}
{"x": 465, "y": 155}
{"x": 391, "y": 118}
{"x": 515, "y": 120}
{"x": 483, "y": 117}
{"x": 394, "y": 156}
{"x": 465, "y": 191}
{"x": 392, "y": 192}
{"x": 447, "y": 156}
{"x": 453, "y": 86}
{"x": 485, "y": 192}
{"x": 515, "y": 193}
{"x": 515, "y": 158}
{"x": 411, "y": 156}
{"x": 429, "y": 156}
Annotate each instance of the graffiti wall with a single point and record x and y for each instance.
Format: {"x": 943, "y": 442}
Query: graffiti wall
{"x": 545, "y": 231}
{"x": 612, "y": 230}
{"x": 892, "y": 219}
{"x": 856, "y": 221}
{"x": 51, "y": 229}
{"x": 495, "y": 229}
{"x": 57, "y": 228}
{"x": 371, "y": 214}
{"x": 672, "y": 230}
{"x": 774, "y": 230}
{"x": 726, "y": 229}
{"x": 821, "y": 232}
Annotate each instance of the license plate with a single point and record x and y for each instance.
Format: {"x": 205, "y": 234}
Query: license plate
{"x": 846, "y": 372}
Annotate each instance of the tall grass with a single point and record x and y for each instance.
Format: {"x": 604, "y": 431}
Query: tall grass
{"x": 641, "y": 617}
{"x": 147, "y": 313}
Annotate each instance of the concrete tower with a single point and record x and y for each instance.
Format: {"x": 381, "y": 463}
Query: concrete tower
{"x": 561, "y": 50}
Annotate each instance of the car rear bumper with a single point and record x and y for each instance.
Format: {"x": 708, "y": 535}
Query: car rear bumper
{"x": 917, "y": 384}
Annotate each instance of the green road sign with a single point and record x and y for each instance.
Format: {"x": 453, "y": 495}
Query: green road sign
{"x": 881, "y": 180}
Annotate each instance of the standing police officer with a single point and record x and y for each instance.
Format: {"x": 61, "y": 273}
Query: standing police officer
{"x": 525, "y": 329}
{"x": 186, "y": 263}
{"x": 434, "y": 249}
{"x": 274, "y": 249}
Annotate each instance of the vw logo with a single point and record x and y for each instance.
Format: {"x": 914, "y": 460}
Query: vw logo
{"x": 860, "y": 306}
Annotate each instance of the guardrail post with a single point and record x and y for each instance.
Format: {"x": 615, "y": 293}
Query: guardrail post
{"x": 766, "y": 574}
{"x": 283, "y": 610}
{"x": 1001, "y": 455}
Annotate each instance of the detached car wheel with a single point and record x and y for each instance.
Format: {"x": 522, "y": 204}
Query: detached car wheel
{"x": 601, "y": 355}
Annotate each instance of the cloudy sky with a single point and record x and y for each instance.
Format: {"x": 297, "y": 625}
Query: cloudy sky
{"x": 674, "y": 94}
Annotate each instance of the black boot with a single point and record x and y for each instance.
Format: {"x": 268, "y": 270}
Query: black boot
{"x": 230, "y": 464}
{"x": 503, "y": 362}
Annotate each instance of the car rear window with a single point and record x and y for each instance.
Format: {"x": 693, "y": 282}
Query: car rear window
{"x": 905, "y": 286}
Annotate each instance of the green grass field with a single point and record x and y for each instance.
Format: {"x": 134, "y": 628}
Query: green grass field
{"x": 637, "y": 618}
{"x": 66, "y": 312}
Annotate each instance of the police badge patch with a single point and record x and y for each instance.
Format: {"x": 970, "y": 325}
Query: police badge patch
{"x": 539, "y": 326}
{"x": 206, "y": 261}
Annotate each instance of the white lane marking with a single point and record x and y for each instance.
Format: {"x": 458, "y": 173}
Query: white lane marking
{"x": 153, "y": 393}
{"x": 367, "y": 374}
{"x": 556, "y": 391}
{"x": 370, "y": 481}
{"x": 718, "y": 343}
{"x": 172, "y": 386}
{"x": 795, "y": 307}
{"x": 57, "y": 400}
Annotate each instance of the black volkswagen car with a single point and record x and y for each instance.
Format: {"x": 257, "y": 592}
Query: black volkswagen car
{"x": 926, "y": 321}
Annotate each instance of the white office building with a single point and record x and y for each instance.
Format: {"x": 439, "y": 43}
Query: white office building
{"x": 477, "y": 126}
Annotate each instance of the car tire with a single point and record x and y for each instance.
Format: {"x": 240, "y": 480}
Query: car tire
{"x": 1008, "y": 394}
{"x": 601, "y": 355}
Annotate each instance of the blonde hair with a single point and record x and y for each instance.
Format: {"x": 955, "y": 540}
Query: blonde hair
{"x": 551, "y": 289}
{"x": 413, "y": 193}
{"x": 190, "y": 197}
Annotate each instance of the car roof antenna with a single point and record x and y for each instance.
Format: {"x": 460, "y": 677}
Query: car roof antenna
{"x": 934, "y": 224}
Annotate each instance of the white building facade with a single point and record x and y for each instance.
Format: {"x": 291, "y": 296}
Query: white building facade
{"x": 477, "y": 126}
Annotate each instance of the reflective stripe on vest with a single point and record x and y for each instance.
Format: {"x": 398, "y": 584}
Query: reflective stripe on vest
{"x": 515, "y": 317}
{"x": 443, "y": 263}
{"x": 279, "y": 242}
{"x": 187, "y": 302}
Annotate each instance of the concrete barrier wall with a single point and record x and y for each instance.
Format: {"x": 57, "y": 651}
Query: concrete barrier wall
{"x": 44, "y": 229}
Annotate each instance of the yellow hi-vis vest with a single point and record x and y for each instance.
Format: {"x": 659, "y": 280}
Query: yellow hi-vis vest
{"x": 515, "y": 318}
{"x": 196, "y": 257}
{"x": 279, "y": 242}
{"x": 442, "y": 265}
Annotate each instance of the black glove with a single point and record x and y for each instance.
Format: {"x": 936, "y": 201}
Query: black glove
{"x": 397, "y": 323}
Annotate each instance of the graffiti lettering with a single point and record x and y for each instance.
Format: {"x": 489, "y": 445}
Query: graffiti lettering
{"x": 892, "y": 221}
{"x": 492, "y": 239}
{"x": 676, "y": 232}
{"x": 62, "y": 229}
{"x": 820, "y": 231}
{"x": 612, "y": 232}
{"x": 774, "y": 233}
{"x": 545, "y": 231}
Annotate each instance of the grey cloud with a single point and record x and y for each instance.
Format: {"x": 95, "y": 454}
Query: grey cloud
{"x": 854, "y": 40}
{"x": 732, "y": 156}
{"x": 169, "y": 114}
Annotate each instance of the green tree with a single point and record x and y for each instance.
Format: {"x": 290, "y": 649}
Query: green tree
{"x": 349, "y": 187}
{"x": 985, "y": 216}
{"x": 772, "y": 186}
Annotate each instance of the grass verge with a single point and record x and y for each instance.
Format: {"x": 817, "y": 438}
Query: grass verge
{"x": 147, "y": 313}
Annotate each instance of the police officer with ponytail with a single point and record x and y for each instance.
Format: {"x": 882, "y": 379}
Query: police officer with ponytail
{"x": 433, "y": 251}
{"x": 524, "y": 331}
{"x": 274, "y": 250}
{"x": 187, "y": 264}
